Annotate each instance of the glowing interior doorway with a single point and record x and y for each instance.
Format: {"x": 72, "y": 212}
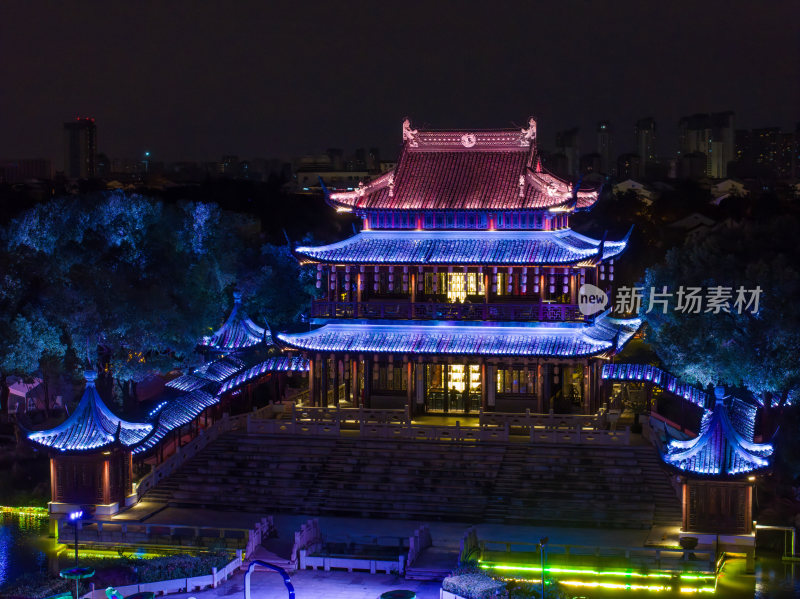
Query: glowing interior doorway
{"x": 460, "y": 285}
{"x": 453, "y": 387}
{"x": 460, "y": 376}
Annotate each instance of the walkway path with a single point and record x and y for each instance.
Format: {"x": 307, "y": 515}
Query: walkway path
{"x": 317, "y": 585}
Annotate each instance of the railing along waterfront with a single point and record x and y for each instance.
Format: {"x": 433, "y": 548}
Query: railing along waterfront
{"x": 661, "y": 558}
{"x": 100, "y": 533}
{"x": 175, "y": 585}
{"x": 406, "y": 310}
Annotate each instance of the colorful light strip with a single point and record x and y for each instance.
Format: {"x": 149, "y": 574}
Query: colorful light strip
{"x": 39, "y": 512}
{"x": 559, "y": 570}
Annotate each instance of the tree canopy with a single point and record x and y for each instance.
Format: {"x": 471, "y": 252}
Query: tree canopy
{"x": 134, "y": 278}
{"x": 754, "y": 350}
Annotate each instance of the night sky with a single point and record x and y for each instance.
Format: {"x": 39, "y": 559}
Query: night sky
{"x": 195, "y": 80}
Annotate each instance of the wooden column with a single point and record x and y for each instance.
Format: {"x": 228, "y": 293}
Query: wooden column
{"x": 547, "y": 388}
{"x": 409, "y": 388}
{"x": 323, "y": 386}
{"x": 335, "y": 366}
{"x": 484, "y": 386}
{"x": 540, "y": 388}
{"x": 367, "y": 364}
{"x": 312, "y": 384}
{"x": 486, "y": 285}
{"x": 491, "y": 386}
{"x": 419, "y": 371}
{"x": 446, "y": 377}
{"x": 574, "y": 281}
{"x": 347, "y": 374}
{"x": 587, "y": 399}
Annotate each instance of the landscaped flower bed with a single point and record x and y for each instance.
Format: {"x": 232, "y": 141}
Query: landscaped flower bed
{"x": 469, "y": 581}
{"x": 473, "y": 586}
{"x": 122, "y": 571}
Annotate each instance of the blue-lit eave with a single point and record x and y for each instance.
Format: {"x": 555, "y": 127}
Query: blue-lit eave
{"x": 99, "y": 443}
{"x": 719, "y": 452}
{"x": 601, "y": 339}
{"x": 91, "y": 427}
{"x": 349, "y": 251}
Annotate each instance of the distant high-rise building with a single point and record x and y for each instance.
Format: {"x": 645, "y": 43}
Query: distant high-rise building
{"x": 605, "y": 147}
{"x": 628, "y": 166}
{"x": 645, "y": 133}
{"x": 711, "y": 134}
{"x": 18, "y": 171}
{"x": 80, "y": 148}
{"x": 568, "y": 144}
{"x": 228, "y": 165}
{"x": 767, "y": 152}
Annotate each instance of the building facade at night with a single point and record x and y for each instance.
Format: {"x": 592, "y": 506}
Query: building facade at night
{"x": 460, "y": 293}
{"x": 80, "y": 148}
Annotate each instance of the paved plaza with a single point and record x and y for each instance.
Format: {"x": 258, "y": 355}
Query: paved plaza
{"x": 318, "y": 585}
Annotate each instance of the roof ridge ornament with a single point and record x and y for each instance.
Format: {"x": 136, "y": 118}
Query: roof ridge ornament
{"x": 528, "y": 135}
{"x": 391, "y": 184}
{"x": 409, "y": 134}
{"x": 522, "y": 186}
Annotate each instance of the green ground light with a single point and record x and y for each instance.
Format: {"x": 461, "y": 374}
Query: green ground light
{"x": 629, "y": 579}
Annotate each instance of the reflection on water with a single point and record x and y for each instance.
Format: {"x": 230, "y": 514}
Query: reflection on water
{"x": 23, "y": 546}
{"x": 773, "y": 579}
{"x": 776, "y": 579}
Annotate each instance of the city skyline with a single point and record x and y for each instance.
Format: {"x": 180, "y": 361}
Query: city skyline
{"x": 255, "y": 84}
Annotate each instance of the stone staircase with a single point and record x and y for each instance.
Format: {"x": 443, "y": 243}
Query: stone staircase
{"x": 406, "y": 479}
{"x": 667, "y": 503}
{"x": 553, "y": 484}
{"x": 253, "y": 473}
{"x": 582, "y": 486}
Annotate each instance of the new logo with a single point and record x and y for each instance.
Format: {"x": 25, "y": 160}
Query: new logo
{"x": 591, "y": 299}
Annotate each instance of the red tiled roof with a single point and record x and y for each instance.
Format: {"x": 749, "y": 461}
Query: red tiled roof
{"x": 464, "y": 170}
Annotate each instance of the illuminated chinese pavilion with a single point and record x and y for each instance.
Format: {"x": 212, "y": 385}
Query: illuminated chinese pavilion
{"x": 240, "y": 356}
{"x": 90, "y": 454}
{"x": 91, "y": 451}
{"x": 718, "y": 468}
{"x": 460, "y": 292}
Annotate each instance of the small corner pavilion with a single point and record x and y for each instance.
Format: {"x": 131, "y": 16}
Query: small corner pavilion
{"x": 718, "y": 469}
{"x": 90, "y": 455}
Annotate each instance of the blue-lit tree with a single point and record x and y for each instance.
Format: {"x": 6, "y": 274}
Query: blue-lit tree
{"x": 133, "y": 282}
{"x": 757, "y": 351}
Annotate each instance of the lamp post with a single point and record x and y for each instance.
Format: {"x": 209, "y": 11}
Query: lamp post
{"x": 146, "y": 162}
{"x": 75, "y": 517}
{"x": 542, "y": 543}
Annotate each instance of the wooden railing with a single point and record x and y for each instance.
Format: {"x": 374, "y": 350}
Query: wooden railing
{"x": 96, "y": 531}
{"x": 393, "y": 424}
{"x": 406, "y": 310}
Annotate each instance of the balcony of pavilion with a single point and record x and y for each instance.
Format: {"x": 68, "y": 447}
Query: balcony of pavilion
{"x": 503, "y": 276}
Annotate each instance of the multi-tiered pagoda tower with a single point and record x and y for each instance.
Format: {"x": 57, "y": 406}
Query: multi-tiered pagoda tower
{"x": 460, "y": 292}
